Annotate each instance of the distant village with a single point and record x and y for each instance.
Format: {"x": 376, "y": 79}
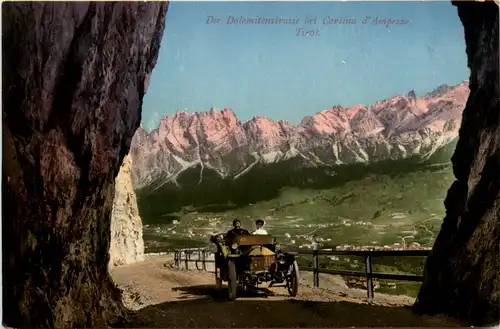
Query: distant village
{"x": 394, "y": 246}
{"x": 307, "y": 240}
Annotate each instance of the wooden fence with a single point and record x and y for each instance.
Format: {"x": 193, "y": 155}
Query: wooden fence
{"x": 367, "y": 254}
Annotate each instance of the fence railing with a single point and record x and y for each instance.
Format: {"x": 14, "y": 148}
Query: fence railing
{"x": 367, "y": 254}
{"x": 202, "y": 257}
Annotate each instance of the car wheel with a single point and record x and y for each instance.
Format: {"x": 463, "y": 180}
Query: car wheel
{"x": 292, "y": 280}
{"x": 233, "y": 280}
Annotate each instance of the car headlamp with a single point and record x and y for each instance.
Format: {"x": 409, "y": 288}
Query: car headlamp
{"x": 234, "y": 246}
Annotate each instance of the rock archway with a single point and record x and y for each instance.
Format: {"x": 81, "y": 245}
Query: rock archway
{"x": 74, "y": 78}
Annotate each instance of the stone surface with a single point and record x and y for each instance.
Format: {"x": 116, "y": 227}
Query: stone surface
{"x": 127, "y": 244}
{"x": 74, "y": 75}
{"x": 396, "y": 128}
{"x": 462, "y": 273}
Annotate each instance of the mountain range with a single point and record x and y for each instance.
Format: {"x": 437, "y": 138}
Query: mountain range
{"x": 206, "y": 155}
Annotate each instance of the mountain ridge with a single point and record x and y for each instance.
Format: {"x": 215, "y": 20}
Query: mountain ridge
{"x": 398, "y": 127}
{"x": 441, "y": 89}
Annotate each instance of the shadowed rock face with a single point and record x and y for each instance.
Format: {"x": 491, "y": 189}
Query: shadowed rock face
{"x": 74, "y": 75}
{"x": 462, "y": 273}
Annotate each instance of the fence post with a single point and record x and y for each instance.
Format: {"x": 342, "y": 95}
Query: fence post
{"x": 203, "y": 260}
{"x": 198, "y": 259}
{"x": 176, "y": 258}
{"x": 369, "y": 279}
{"x": 186, "y": 259}
{"x": 316, "y": 267}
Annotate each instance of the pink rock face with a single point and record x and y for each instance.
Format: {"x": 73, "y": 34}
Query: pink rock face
{"x": 266, "y": 135}
{"x": 400, "y": 126}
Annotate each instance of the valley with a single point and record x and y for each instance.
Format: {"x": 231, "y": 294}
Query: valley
{"x": 378, "y": 209}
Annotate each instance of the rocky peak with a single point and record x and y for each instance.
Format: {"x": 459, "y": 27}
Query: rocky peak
{"x": 442, "y": 89}
{"x": 127, "y": 244}
{"x": 266, "y": 133}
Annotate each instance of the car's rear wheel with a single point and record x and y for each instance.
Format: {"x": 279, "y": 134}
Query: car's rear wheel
{"x": 232, "y": 280}
{"x": 292, "y": 280}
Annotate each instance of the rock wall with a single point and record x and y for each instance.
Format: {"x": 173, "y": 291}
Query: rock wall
{"x": 127, "y": 244}
{"x": 462, "y": 273}
{"x": 74, "y": 76}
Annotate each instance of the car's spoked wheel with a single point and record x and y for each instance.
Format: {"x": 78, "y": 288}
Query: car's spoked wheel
{"x": 292, "y": 279}
{"x": 233, "y": 280}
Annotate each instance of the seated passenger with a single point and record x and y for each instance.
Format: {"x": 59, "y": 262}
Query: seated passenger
{"x": 259, "y": 223}
{"x": 236, "y": 230}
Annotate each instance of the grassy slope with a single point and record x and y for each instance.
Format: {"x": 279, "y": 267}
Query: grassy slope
{"x": 391, "y": 204}
{"x": 261, "y": 183}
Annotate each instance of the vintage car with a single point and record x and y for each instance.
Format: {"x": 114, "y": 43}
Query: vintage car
{"x": 249, "y": 260}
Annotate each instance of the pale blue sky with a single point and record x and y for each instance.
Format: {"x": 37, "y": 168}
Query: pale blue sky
{"x": 268, "y": 70}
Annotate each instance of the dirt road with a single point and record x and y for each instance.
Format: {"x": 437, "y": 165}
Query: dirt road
{"x": 166, "y": 297}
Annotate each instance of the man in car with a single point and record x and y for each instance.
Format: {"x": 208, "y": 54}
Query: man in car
{"x": 259, "y": 224}
{"x": 236, "y": 230}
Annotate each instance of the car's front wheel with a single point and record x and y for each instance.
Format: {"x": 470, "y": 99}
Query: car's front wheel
{"x": 292, "y": 280}
{"x": 232, "y": 280}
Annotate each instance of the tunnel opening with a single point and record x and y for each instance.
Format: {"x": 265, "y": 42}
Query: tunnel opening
{"x": 388, "y": 203}
{"x": 66, "y": 133}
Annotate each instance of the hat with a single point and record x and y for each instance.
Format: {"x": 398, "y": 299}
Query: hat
{"x": 236, "y": 221}
{"x": 259, "y": 221}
